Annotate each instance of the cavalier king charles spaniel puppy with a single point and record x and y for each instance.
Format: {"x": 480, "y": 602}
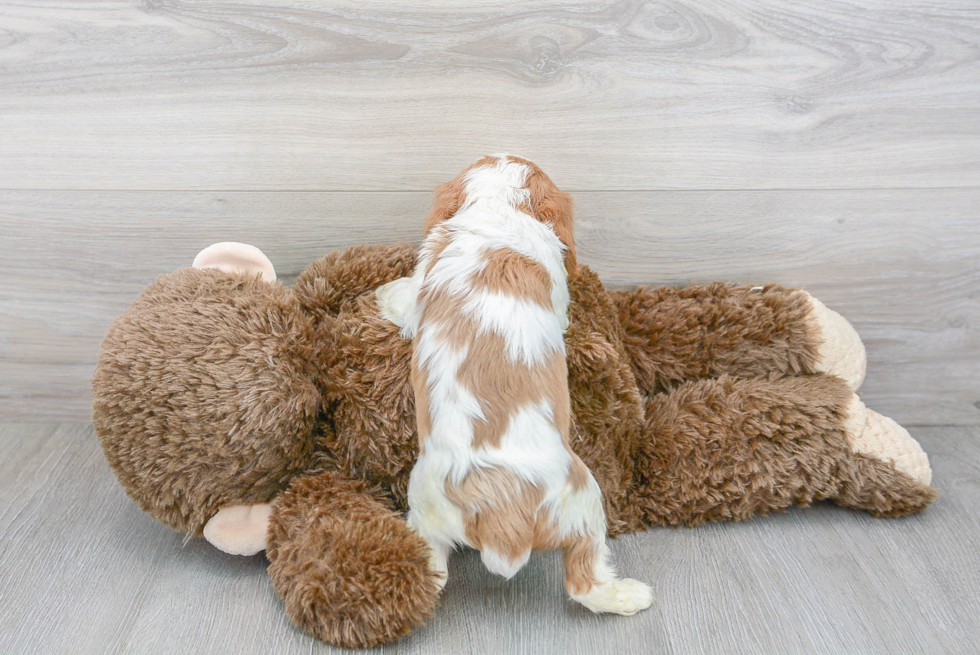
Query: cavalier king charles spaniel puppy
{"x": 487, "y": 308}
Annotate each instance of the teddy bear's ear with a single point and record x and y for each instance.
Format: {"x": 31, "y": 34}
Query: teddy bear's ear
{"x": 240, "y": 529}
{"x": 233, "y": 257}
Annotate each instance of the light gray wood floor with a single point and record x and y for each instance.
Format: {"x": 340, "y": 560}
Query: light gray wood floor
{"x": 82, "y": 570}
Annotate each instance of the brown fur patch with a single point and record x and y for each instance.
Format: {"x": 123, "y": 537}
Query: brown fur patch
{"x": 423, "y": 419}
{"x": 501, "y": 386}
{"x": 500, "y": 511}
{"x": 503, "y": 513}
{"x": 580, "y": 558}
{"x": 349, "y": 569}
{"x": 578, "y": 474}
{"x": 552, "y": 206}
{"x": 511, "y": 273}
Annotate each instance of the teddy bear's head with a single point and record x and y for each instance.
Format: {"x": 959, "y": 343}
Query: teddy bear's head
{"x": 206, "y": 393}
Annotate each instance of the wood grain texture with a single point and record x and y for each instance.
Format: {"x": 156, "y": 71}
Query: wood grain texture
{"x": 630, "y": 95}
{"x": 82, "y": 570}
{"x": 903, "y": 265}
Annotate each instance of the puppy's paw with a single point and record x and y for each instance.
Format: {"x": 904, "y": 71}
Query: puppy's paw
{"x": 625, "y": 596}
{"x": 396, "y": 302}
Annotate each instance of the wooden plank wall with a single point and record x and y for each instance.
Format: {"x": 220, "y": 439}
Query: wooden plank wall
{"x": 831, "y": 144}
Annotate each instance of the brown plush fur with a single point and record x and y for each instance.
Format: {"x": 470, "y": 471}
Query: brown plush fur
{"x": 688, "y": 405}
{"x": 201, "y": 404}
{"x": 346, "y": 566}
{"x": 776, "y": 442}
{"x": 677, "y": 335}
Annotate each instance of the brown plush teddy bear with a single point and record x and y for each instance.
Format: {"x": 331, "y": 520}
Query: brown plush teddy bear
{"x": 282, "y": 418}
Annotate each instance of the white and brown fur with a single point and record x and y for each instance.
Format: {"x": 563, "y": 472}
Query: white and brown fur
{"x": 487, "y": 308}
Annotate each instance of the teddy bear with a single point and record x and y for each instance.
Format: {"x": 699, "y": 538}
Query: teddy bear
{"x": 282, "y": 419}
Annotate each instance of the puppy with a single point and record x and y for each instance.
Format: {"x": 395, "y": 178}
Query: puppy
{"x": 487, "y": 308}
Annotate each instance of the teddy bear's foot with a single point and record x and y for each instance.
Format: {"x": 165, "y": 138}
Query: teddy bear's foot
{"x": 233, "y": 257}
{"x": 886, "y": 473}
{"x": 622, "y": 596}
{"x": 840, "y": 351}
{"x": 870, "y": 433}
{"x": 240, "y": 529}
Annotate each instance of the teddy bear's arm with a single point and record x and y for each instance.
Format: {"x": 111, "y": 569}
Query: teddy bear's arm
{"x": 704, "y": 331}
{"x": 723, "y": 449}
{"x": 341, "y": 276}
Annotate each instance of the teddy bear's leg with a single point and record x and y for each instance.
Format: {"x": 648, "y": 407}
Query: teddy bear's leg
{"x": 729, "y": 448}
{"x": 705, "y": 331}
{"x": 232, "y": 257}
{"x": 350, "y": 571}
{"x": 887, "y": 472}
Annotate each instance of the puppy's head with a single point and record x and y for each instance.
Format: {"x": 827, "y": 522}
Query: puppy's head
{"x": 550, "y": 205}
{"x": 520, "y": 183}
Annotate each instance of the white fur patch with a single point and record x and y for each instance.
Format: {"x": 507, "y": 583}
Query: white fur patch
{"x": 502, "y": 566}
{"x": 396, "y": 300}
{"x": 503, "y": 183}
{"x": 532, "y": 333}
{"x": 625, "y": 597}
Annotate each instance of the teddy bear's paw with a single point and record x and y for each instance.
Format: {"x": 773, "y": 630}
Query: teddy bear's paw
{"x": 872, "y": 434}
{"x": 240, "y": 529}
{"x": 232, "y": 257}
{"x": 840, "y": 351}
{"x": 622, "y": 596}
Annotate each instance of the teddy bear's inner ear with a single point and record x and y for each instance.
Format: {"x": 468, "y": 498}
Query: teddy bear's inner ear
{"x": 240, "y": 529}
{"x": 233, "y": 257}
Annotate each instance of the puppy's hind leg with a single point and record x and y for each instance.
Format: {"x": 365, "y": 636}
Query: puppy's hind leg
{"x": 589, "y": 577}
{"x": 591, "y": 580}
{"x": 439, "y": 557}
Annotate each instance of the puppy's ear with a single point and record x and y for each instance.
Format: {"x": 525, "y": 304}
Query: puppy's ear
{"x": 553, "y": 206}
{"x": 449, "y": 198}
